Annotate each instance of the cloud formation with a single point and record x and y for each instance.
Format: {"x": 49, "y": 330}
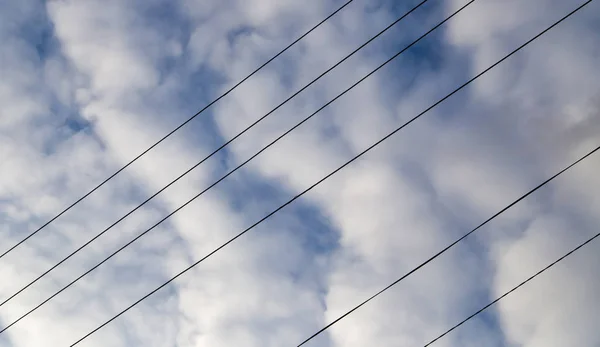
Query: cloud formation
{"x": 87, "y": 85}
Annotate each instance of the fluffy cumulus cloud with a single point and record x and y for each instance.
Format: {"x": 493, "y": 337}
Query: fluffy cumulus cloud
{"x": 87, "y": 85}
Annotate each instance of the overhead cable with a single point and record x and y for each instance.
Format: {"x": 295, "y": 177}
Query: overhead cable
{"x": 173, "y": 131}
{"x": 212, "y": 185}
{"x": 39, "y": 277}
{"x": 587, "y": 242}
{"x": 485, "y": 222}
{"x": 325, "y": 178}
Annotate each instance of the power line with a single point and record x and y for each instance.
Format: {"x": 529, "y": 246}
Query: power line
{"x": 489, "y": 219}
{"x": 518, "y": 286}
{"x": 446, "y": 249}
{"x": 219, "y": 180}
{"x": 325, "y": 178}
{"x": 175, "y": 130}
{"x": 209, "y": 156}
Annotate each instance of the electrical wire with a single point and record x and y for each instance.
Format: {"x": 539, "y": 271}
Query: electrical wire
{"x": 588, "y": 241}
{"x": 325, "y": 178}
{"x": 225, "y": 176}
{"x": 174, "y": 130}
{"x": 485, "y": 222}
{"x": 206, "y": 158}
{"x": 446, "y": 249}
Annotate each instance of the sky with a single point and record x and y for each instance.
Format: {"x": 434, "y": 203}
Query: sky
{"x": 87, "y": 85}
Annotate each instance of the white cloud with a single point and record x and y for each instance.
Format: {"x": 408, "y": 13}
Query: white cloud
{"x": 97, "y": 82}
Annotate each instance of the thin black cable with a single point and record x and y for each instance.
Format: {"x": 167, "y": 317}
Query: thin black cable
{"x": 326, "y": 177}
{"x": 485, "y": 222}
{"x": 450, "y": 246}
{"x": 517, "y": 287}
{"x": 229, "y": 173}
{"x": 209, "y": 156}
{"x": 175, "y": 130}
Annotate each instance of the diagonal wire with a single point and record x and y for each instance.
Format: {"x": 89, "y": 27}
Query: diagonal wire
{"x": 325, "y": 178}
{"x": 222, "y": 178}
{"x": 450, "y": 246}
{"x": 485, "y": 222}
{"x": 517, "y": 287}
{"x": 207, "y": 157}
{"x": 175, "y": 130}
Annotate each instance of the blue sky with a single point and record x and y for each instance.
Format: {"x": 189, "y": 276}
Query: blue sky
{"x": 86, "y": 85}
